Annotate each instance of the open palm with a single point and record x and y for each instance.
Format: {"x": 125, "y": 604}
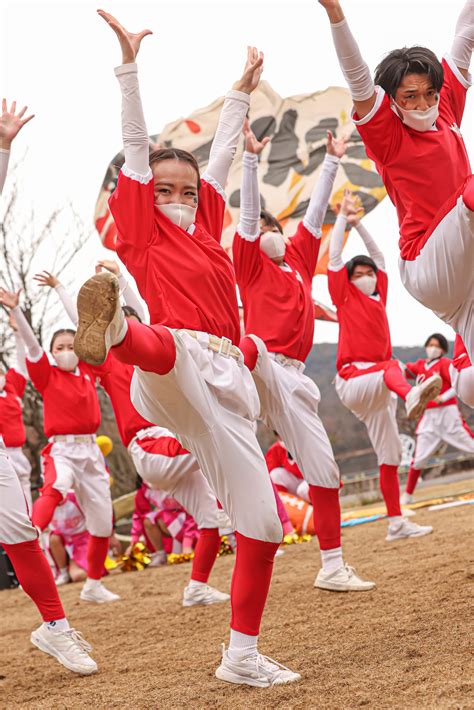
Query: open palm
{"x": 129, "y": 41}
{"x": 11, "y": 123}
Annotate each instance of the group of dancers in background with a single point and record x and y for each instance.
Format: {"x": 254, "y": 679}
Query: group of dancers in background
{"x": 188, "y": 387}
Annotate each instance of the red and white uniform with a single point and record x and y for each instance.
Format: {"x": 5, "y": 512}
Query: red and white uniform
{"x": 15, "y": 523}
{"x": 284, "y": 471}
{"x": 69, "y": 524}
{"x": 12, "y": 428}
{"x": 279, "y": 318}
{"x": 442, "y": 421}
{"x": 462, "y": 373}
{"x": 436, "y": 226}
{"x": 188, "y": 282}
{"x": 72, "y": 458}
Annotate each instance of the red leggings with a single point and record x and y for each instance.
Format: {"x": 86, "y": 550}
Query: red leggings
{"x": 327, "y": 516}
{"x": 35, "y": 576}
{"x": 205, "y": 553}
{"x": 150, "y": 347}
{"x": 395, "y": 381}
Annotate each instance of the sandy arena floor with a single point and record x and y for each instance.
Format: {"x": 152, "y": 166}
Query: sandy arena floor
{"x": 404, "y": 645}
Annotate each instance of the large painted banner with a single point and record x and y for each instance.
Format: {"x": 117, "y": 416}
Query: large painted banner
{"x": 289, "y": 165}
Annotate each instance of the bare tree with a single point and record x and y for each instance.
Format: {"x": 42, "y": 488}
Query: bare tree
{"x": 23, "y": 237}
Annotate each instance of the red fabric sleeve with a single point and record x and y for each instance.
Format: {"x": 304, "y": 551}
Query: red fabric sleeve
{"x": 247, "y": 259}
{"x": 338, "y": 282}
{"x": 17, "y": 381}
{"x": 273, "y": 457}
{"x": 382, "y": 133}
{"x": 307, "y": 246}
{"x": 211, "y": 210}
{"x": 39, "y": 372}
{"x": 444, "y": 370}
{"x": 382, "y": 285}
{"x": 132, "y": 205}
{"x": 413, "y": 369}
{"x": 452, "y": 98}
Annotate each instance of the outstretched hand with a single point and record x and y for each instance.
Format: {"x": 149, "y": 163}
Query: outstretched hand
{"x": 351, "y": 208}
{"x": 108, "y": 265}
{"x": 129, "y": 41}
{"x": 252, "y": 144}
{"x": 9, "y": 299}
{"x": 336, "y": 146}
{"x": 46, "y": 279}
{"x": 11, "y": 123}
{"x": 252, "y": 72}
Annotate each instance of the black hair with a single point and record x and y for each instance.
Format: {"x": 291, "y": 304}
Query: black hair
{"x": 270, "y": 220}
{"x": 398, "y": 63}
{"x": 361, "y": 260}
{"x": 157, "y": 156}
{"x": 138, "y": 482}
{"x": 56, "y": 334}
{"x": 443, "y": 343}
{"x": 130, "y": 312}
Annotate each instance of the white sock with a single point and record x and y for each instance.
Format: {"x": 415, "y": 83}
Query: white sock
{"x": 63, "y": 570}
{"x": 194, "y": 584}
{"x": 332, "y": 560}
{"x": 241, "y": 645}
{"x": 395, "y": 519}
{"x": 57, "y": 625}
{"x": 92, "y": 583}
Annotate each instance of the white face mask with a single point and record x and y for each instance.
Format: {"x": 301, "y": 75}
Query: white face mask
{"x": 179, "y": 214}
{"x": 419, "y": 120}
{"x": 273, "y": 245}
{"x": 366, "y": 284}
{"x": 66, "y": 361}
{"x": 2, "y": 382}
{"x": 433, "y": 352}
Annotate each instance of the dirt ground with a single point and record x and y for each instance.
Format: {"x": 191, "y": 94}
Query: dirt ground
{"x": 404, "y": 645}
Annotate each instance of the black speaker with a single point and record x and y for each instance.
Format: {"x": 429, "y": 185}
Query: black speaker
{"x": 8, "y": 578}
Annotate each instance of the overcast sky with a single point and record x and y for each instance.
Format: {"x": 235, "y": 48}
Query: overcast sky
{"x": 58, "y": 58}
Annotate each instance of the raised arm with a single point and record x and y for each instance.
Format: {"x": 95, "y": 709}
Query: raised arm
{"x": 371, "y": 246}
{"x": 249, "y": 223}
{"x": 19, "y": 348}
{"x": 47, "y": 279}
{"x": 463, "y": 42}
{"x": 127, "y": 292}
{"x": 355, "y": 70}
{"x": 11, "y": 124}
{"x": 11, "y": 301}
{"x": 134, "y": 131}
{"x": 347, "y": 214}
{"x": 232, "y": 116}
{"x": 314, "y": 217}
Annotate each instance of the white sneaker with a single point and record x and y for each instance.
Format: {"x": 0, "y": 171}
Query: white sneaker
{"x": 343, "y": 579}
{"x": 69, "y": 647}
{"x": 406, "y": 498}
{"x": 98, "y": 594}
{"x": 258, "y": 671}
{"x": 419, "y": 396}
{"x": 405, "y": 528}
{"x": 62, "y": 578}
{"x": 101, "y": 320}
{"x": 158, "y": 559}
{"x": 204, "y": 595}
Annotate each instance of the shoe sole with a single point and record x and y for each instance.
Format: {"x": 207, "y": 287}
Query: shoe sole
{"x": 97, "y": 601}
{"x": 42, "y": 645}
{"x": 216, "y": 601}
{"x": 426, "y": 396}
{"x": 407, "y": 537}
{"x": 96, "y": 304}
{"x": 333, "y": 588}
{"x": 229, "y": 677}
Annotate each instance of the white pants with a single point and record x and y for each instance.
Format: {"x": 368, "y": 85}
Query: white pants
{"x": 442, "y": 275}
{"x": 210, "y": 401}
{"x": 22, "y": 469}
{"x": 289, "y": 405}
{"x": 438, "y": 425}
{"x": 463, "y": 384}
{"x": 15, "y": 523}
{"x": 180, "y": 476}
{"x": 285, "y": 479}
{"x": 368, "y": 397}
{"x": 80, "y": 466}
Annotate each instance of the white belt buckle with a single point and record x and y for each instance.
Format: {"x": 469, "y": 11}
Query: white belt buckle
{"x": 225, "y": 346}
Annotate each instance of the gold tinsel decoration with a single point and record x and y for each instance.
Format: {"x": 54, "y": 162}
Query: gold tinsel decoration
{"x": 295, "y": 539}
{"x": 137, "y": 560}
